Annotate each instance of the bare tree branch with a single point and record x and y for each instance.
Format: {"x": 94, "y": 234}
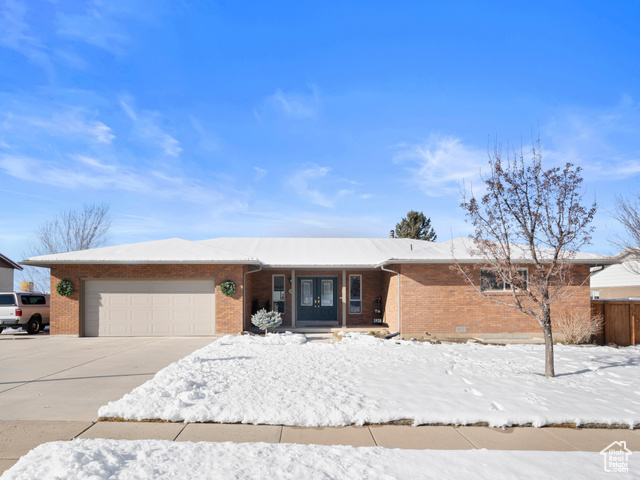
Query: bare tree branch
{"x": 530, "y": 218}
{"x": 627, "y": 212}
{"x": 68, "y": 231}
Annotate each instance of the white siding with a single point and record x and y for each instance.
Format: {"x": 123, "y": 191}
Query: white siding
{"x": 6, "y": 279}
{"x": 615, "y": 276}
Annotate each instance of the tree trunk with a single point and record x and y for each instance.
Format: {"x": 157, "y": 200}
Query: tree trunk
{"x": 549, "y": 368}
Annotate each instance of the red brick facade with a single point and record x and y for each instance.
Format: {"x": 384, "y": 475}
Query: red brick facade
{"x": 434, "y": 299}
{"x": 66, "y": 311}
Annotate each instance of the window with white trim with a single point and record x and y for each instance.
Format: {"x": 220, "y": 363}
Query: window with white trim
{"x": 278, "y": 293}
{"x": 490, "y": 280}
{"x": 355, "y": 294}
{"x": 595, "y": 294}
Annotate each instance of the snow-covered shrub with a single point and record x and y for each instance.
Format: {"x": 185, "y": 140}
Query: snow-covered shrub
{"x": 265, "y": 320}
{"x": 577, "y": 327}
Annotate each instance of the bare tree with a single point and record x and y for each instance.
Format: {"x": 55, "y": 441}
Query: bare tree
{"x": 628, "y": 214}
{"x": 527, "y": 229}
{"x": 68, "y": 231}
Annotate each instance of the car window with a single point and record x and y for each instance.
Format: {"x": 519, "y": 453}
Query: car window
{"x": 33, "y": 300}
{"x": 7, "y": 300}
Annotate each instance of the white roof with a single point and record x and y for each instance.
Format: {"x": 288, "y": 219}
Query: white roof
{"x": 286, "y": 252}
{"x": 444, "y": 252}
{"x": 320, "y": 252}
{"x": 173, "y": 250}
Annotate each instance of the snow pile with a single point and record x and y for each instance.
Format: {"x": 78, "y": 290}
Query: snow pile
{"x": 280, "y": 380}
{"x": 162, "y": 459}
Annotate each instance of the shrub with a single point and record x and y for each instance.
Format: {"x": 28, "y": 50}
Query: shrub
{"x": 577, "y": 327}
{"x": 265, "y": 320}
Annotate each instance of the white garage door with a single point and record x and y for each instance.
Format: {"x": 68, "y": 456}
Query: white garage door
{"x": 149, "y": 307}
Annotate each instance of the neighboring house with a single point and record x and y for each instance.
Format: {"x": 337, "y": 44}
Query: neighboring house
{"x": 617, "y": 281}
{"x": 173, "y": 287}
{"x": 6, "y": 273}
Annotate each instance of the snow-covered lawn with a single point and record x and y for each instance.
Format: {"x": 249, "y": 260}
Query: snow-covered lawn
{"x": 162, "y": 459}
{"x": 282, "y": 380}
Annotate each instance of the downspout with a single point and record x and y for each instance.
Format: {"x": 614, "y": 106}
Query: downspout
{"x": 244, "y": 294}
{"x": 399, "y": 315}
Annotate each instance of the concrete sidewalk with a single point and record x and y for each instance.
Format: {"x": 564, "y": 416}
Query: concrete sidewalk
{"x": 18, "y": 437}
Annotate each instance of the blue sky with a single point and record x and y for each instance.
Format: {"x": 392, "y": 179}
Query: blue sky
{"x": 199, "y": 119}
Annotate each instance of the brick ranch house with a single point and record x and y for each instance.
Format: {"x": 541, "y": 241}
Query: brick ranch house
{"x": 173, "y": 287}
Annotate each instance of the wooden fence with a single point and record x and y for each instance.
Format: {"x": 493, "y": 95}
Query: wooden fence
{"x": 621, "y": 321}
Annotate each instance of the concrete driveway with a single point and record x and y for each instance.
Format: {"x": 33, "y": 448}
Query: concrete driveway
{"x": 65, "y": 378}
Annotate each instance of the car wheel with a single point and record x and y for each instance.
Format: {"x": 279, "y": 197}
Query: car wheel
{"x": 33, "y": 326}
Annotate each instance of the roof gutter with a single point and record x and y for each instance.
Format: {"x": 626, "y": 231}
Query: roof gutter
{"x": 50, "y": 263}
{"x": 399, "y": 311}
{"x": 591, "y": 262}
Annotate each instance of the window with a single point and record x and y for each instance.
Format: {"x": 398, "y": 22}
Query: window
{"x": 33, "y": 300}
{"x": 491, "y": 281}
{"x": 326, "y": 297}
{"x": 278, "y": 293}
{"x": 355, "y": 294}
{"x": 7, "y": 300}
{"x": 307, "y": 293}
{"x": 595, "y": 294}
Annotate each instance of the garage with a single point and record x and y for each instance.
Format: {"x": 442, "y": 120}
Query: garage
{"x": 126, "y": 308}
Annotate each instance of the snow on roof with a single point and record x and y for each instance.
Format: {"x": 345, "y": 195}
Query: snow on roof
{"x": 173, "y": 250}
{"x": 458, "y": 248}
{"x": 319, "y": 252}
{"x": 286, "y": 252}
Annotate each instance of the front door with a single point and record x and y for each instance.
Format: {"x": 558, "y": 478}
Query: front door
{"x": 317, "y": 299}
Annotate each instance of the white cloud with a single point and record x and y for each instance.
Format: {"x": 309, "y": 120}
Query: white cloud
{"x": 602, "y": 141}
{"x": 91, "y": 173}
{"x": 146, "y": 127}
{"x": 102, "y": 24}
{"x": 309, "y": 184}
{"x": 68, "y": 123}
{"x": 293, "y": 105}
{"x": 92, "y": 162}
{"x": 440, "y": 165}
{"x": 16, "y": 34}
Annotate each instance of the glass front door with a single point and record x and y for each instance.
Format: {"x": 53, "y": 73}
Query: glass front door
{"x": 317, "y": 299}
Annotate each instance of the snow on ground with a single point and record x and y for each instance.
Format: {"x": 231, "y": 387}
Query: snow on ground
{"x": 280, "y": 379}
{"x": 162, "y": 459}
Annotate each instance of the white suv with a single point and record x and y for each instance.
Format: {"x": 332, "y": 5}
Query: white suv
{"x": 28, "y": 310}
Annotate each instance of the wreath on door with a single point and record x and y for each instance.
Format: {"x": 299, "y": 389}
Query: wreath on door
{"x": 228, "y": 288}
{"x": 64, "y": 288}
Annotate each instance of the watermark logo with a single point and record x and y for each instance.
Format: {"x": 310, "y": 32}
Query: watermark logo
{"x": 616, "y": 457}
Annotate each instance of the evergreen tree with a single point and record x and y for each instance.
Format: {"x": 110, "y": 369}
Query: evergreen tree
{"x": 416, "y": 226}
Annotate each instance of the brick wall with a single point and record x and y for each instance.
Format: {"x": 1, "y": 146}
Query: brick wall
{"x": 608, "y": 293}
{"x": 389, "y": 287}
{"x": 259, "y": 287}
{"x": 436, "y": 300}
{"x": 371, "y": 288}
{"x": 65, "y": 311}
